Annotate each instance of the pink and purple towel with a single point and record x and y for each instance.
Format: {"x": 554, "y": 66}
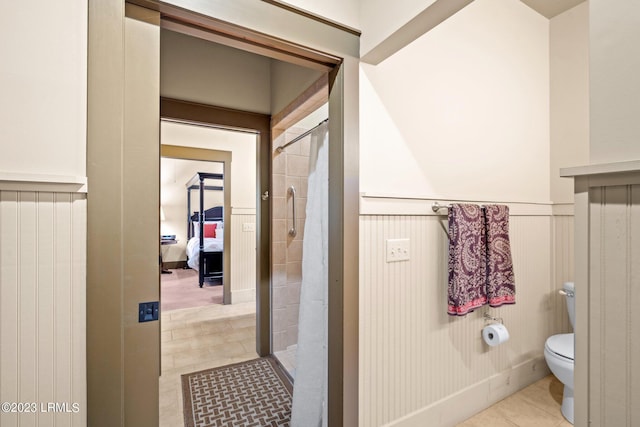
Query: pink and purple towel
{"x": 501, "y": 287}
{"x": 467, "y": 259}
{"x": 480, "y": 266}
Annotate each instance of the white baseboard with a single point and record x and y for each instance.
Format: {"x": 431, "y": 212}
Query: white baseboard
{"x": 243, "y": 295}
{"x": 464, "y": 404}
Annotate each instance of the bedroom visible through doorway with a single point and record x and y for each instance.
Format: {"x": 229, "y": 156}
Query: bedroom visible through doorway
{"x": 180, "y": 199}
{"x": 208, "y": 203}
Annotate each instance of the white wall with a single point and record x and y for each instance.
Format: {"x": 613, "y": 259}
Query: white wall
{"x": 614, "y": 80}
{"x": 43, "y": 78}
{"x": 569, "y": 101}
{"x": 345, "y": 12}
{"x": 243, "y": 155}
{"x": 379, "y": 19}
{"x": 201, "y": 71}
{"x": 462, "y": 112}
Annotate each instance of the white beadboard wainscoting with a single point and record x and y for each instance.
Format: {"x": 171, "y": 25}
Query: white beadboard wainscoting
{"x": 420, "y": 366}
{"x": 614, "y": 296}
{"x": 42, "y": 305}
{"x": 243, "y": 258}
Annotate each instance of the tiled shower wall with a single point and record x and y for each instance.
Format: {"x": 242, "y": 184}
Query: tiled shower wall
{"x": 290, "y": 167}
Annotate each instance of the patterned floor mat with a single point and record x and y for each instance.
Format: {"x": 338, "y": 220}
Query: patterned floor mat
{"x": 254, "y": 393}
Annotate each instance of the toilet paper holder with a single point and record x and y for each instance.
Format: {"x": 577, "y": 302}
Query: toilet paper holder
{"x": 489, "y": 318}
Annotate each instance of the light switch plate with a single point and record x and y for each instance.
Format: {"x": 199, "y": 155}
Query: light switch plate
{"x": 397, "y": 250}
{"x": 249, "y": 226}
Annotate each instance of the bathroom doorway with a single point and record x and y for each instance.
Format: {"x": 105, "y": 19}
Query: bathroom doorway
{"x": 107, "y": 160}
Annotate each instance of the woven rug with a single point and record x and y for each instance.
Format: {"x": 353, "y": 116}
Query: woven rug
{"x": 253, "y": 393}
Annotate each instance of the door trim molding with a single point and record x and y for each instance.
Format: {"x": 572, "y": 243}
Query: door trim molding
{"x": 203, "y": 114}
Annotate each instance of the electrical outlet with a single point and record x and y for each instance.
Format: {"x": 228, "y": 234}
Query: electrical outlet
{"x": 249, "y": 226}
{"x": 397, "y": 250}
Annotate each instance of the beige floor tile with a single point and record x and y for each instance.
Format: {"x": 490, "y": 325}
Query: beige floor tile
{"x": 242, "y": 322}
{"x": 537, "y": 405}
{"x": 564, "y": 423}
{"x": 488, "y": 418}
{"x": 543, "y": 396}
{"x": 240, "y": 334}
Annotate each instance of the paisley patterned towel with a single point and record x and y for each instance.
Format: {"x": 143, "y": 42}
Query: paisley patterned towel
{"x": 500, "y": 279}
{"x": 467, "y": 259}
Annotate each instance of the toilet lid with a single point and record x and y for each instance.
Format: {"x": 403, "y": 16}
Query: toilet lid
{"x": 561, "y": 344}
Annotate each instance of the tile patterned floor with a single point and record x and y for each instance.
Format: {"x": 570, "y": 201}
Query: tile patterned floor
{"x": 200, "y": 338}
{"x": 537, "y": 405}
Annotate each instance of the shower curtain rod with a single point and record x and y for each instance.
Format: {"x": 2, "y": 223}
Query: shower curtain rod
{"x": 281, "y": 148}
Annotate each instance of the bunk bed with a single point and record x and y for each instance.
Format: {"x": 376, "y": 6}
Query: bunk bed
{"x": 205, "y": 230}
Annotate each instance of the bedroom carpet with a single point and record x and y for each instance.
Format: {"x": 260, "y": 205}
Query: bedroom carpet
{"x": 252, "y": 393}
{"x": 180, "y": 289}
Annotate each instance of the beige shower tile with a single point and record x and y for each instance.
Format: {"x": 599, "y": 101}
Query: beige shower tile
{"x": 279, "y": 275}
{"x": 292, "y": 335}
{"x": 293, "y": 293}
{"x": 279, "y": 316}
{"x": 295, "y": 181}
{"x": 278, "y": 297}
{"x": 305, "y": 146}
{"x": 301, "y": 207}
{"x": 279, "y": 208}
{"x": 292, "y": 315}
{"x": 279, "y": 340}
{"x": 279, "y": 253}
{"x": 294, "y": 251}
{"x": 293, "y": 148}
{"x": 279, "y": 186}
{"x": 294, "y": 272}
{"x": 304, "y": 183}
{"x": 279, "y": 163}
{"x": 279, "y": 230}
{"x": 300, "y": 228}
{"x": 297, "y": 165}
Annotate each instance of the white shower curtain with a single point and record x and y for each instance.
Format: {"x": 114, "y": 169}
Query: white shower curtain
{"x": 310, "y": 386}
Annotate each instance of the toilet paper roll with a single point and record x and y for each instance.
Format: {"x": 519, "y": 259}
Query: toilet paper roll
{"x": 495, "y": 334}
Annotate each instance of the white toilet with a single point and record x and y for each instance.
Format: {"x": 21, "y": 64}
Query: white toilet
{"x": 558, "y": 352}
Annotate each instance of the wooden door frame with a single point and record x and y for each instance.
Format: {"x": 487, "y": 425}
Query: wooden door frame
{"x": 202, "y": 114}
{"x": 120, "y": 366}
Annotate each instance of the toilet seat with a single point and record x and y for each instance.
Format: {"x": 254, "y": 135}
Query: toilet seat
{"x": 561, "y": 345}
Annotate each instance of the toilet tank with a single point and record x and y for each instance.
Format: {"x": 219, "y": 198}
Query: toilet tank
{"x": 570, "y": 290}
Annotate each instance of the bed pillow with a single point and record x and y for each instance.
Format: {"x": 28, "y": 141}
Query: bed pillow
{"x": 210, "y": 230}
